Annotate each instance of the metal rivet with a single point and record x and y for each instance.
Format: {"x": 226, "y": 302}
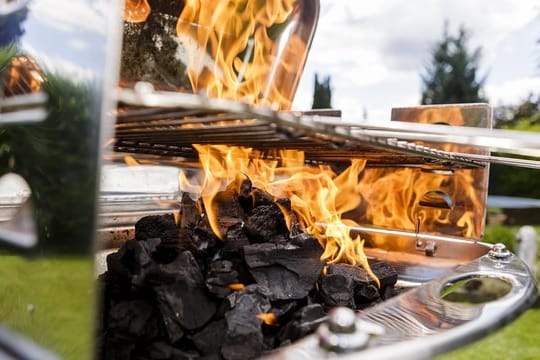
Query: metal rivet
{"x": 344, "y": 332}
{"x": 499, "y": 251}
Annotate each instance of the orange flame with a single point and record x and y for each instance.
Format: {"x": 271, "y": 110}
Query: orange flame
{"x": 236, "y": 286}
{"x": 230, "y": 51}
{"x": 136, "y": 11}
{"x": 23, "y": 77}
{"x": 317, "y": 194}
{"x": 234, "y": 49}
{"x": 268, "y": 318}
{"x": 130, "y": 161}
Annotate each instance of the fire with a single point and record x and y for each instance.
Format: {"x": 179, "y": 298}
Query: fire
{"x": 24, "y": 76}
{"x": 318, "y": 195}
{"x": 234, "y": 49}
{"x": 130, "y": 161}
{"x": 136, "y": 11}
{"x": 394, "y": 198}
{"x": 236, "y": 286}
{"x": 268, "y": 318}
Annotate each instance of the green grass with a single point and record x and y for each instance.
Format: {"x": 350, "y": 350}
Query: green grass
{"x": 60, "y": 290}
{"x": 520, "y": 340}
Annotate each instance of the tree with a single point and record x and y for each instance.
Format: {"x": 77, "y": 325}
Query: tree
{"x": 322, "y": 95}
{"x": 514, "y": 181}
{"x": 452, "y": 75}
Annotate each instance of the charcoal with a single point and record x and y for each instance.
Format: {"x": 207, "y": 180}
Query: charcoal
{"x": 160, "y": 350}
{"x": 235, "y": 240}
{"x": 261, "y": 197}
{"x": 265, "y": 222}
{"x": 385, "y": 272}
{"x": 213, "y": 356}
{"x": 185, "y": 304}
{"x": 129, "y": 318}
{"x": 290, "y": 272}
{"x": 354, "y": 272}
{"x": 189, "y": 212}
{"x": 279, "y": 239}
{"x": 303, "y": 322}
{"x": 221, "y": 266}
{"x": 220, "y": 275}
{"x": 118, "y": 350}
{"x": 162, "y": 227}
{"x": 157, "y": 226}
{"x": 244, "y": 195}
{"x": 190, "y": 215}
{"x": 350, "y": 285}
{"x": 210, "y": 339}
{"x": 244, "y": 337}
{"x": 282, "y": 308}
{"x": 133, "y": 261}
{"x": 366, "y": 294}
{"x": 337, "y": 290}
{"x": 227, "y": 208}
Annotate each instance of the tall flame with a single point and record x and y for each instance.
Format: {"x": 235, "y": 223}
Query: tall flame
{"x": 230, "y": 51}
{"x": 237, "y": 49}
{"x": 318, "y": 196}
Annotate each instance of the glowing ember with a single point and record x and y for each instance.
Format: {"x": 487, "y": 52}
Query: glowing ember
{"x": 236, "y": 286}
{"x": 268, "y": 318}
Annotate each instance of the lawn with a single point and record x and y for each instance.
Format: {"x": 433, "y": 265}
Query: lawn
{"x": 50, "y": 301}
{"x": 519, "y": 340}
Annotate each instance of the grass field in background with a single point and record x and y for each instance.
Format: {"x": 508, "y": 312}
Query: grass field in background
{"x": 49, "y": 301}
{"x": 520, "y": 340}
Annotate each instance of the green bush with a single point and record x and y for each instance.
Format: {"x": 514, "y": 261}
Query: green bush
{"x": 500, "y": 234}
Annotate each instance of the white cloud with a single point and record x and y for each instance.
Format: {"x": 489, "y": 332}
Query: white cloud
{"x": 376, "y": 51}
{"x": 512, "y": 91}
{"x": 71, "y": 15}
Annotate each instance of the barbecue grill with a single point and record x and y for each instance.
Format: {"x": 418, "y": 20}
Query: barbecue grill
{"x": 65, "y": 115}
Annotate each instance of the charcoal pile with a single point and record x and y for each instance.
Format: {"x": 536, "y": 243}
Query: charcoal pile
{"x": 177, "y": 291}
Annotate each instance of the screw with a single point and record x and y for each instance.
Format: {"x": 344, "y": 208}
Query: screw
{"x": 343, "y": 332}
{"x": 499, "y": 251}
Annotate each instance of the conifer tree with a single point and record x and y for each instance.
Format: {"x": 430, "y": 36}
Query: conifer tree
{"x": 322, "y": 95}
{"x": 452, "y": 76}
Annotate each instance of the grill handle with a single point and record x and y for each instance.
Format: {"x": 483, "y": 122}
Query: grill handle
{"x": 425, "y": 321}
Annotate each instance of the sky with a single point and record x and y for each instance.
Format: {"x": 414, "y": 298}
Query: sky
{"x": 376, "y": 51}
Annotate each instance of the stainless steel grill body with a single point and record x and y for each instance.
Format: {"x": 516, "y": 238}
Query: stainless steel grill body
{"x": 57, "y": 122}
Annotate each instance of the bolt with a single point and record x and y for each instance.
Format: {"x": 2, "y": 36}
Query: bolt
{"x": 342, "y": 320}
{"x": 499, "y": 251}
{"x": 343, "y": 332}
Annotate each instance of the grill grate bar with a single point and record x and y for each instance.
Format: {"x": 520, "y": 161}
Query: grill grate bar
{"x": 179, "y": 119}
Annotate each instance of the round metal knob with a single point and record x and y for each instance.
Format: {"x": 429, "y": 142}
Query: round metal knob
{"x": 343, "y": 332}
{"x": 499, "y": 251}
{"x": 342, "y": 320}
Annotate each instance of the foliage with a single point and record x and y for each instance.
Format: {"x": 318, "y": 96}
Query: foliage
{"x": 512, "y": 181}
{"x": 58, "y": 158}
{"x": 524, "y": 116}
{"x": 452, "y": 76}
{"x": 500, "y": 234}
{"x": 322, "y": 95}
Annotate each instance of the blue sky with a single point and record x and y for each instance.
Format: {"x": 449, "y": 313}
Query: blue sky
{"x": 376, "y": 51}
